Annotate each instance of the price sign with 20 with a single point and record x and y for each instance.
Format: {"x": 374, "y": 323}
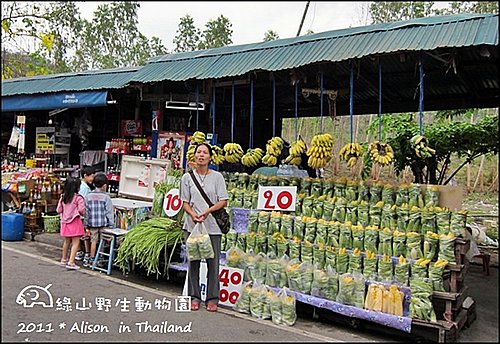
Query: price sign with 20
{"x": 278, "y": 198}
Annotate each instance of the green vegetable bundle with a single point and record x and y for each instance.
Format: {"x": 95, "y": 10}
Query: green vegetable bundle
{"x": 159, "y": 195}
{"x": 389, "y": 217}
{"x": 294, "y": 248}
{"x": 144, "y": 243}
{"x": 398, "y": 243}
{"x": 332, "y": 238}
{"x": 250, "y": 269}
{"x": 351, "y": 290}
{"x": 402, "y": 196}
{"x": 251, "y": 241}
{"x": 385, "y": 268}
{"x": 352, "y": 212}
{"x": 339, "y": 212}
{"x": 403, "y": 217}
{"x": 272, "y": 244}
{"x": 260, "y": 306}
{"x": 332, "y": 288}
{"x": 309, "y": 228}
{"x": 307, "y": 206}
{"x": 328, "y": 187}
{"x": 431, "y": 197}
{"x": 351, "y": 191}
{"x": 306, "y": 251}
{"x": 370, "y": 265}
{"x": 261, "y": 261}
{"x": 319, "y": 255}
{"x": 358, "y": 236}
{"x": 298, "y": 204}
{"x": 413, "y": 245}
{"x": 328, "y": 207}
{"x": 231, "y": 238}
{"x": 340, "y": 186}
{"x": 276, "y": 311}
{"x": 415, "y": 198}
{"x": 376, "y": 213}
{"x": 281, "y": 245}
{"x": 371, "y": 238}
{"x": 235, "y": 258}
{"x": 248, "y": 199}
{"x": 239, "y": 197}
{"x": 274, "y": 222}
{"x": 320, "y": 283}
{"x": 345, "y": 237}
{"x": 330, "y": 256}
{"x": 376, "y": 192}
{"x": 436, "y": 274}
{"x": 241, "y": 241}
{"x": 305, "y": 185}
{"x": 431, "y": 241}
{"x": 242, "y": 304}
{"x": 363, "y": 213}
{"x": 402, "y": 271}
{"x": 385, "y": 242}
{"x": 419, "y": 268}
{"x": 421, "y": 308}
{"x": 253, "y": 182}
{"x": 428, "y": 220}
{"x": 414, "y": 220}
{"x": 263, "y": 222}
{"x": 288, "y": 308}
{"x": 443, "y": 217}
{"x": 198, "y": 244}
{"x": 286, "y": 226}
{"x": 342, "y": 260}
{"x": 260, "y": 243}
{"x": 447, "y": 247}
{"x": 363, "y": 192}
{"x": 458, "y": 223}
{"x": 317, "y": 206}
{"x": 253, "y": 221}
{"x": 388, "y": 194}
{"x": 321, "y": 232}
{"x": 355, "y": 261}
{"x": 298, "y": 227}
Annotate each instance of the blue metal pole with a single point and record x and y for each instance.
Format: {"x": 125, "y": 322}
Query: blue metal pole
{"x": 321, "y": 101}
{"x": 251, "y": 114}
{"x": 421, "y": 101}
{"x": 296, "y": 110}
{"x": 274, "y": 106}
{"x": 197, "y": 97}
{"x": 379, "y": 100}
{"x": 232, "y": 111}
{"x": 351, "y": 99}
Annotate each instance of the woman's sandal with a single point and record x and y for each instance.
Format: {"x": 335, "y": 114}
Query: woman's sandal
{"x": 64, "y": 262}
{"x": 211, "y": 307}
{"x": 195, "y": 305}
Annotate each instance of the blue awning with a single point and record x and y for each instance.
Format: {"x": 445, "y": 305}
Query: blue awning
{"x": 54, "y": 101}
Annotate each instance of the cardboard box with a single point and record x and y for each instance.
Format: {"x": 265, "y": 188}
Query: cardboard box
{"x": 450, "y": 196}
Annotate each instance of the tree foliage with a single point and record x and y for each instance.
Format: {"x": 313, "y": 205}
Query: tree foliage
{"x": 270, "y": 35}
{"x": 457, "y": 7}
{"x": 188, "y": 36}
{"x": 217, "y": 33}
{"x": 388, "y": 11}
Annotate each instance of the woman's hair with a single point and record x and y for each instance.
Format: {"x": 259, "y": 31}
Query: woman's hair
{"x": 71, "y": 187}
{"x": 206, "y": 145}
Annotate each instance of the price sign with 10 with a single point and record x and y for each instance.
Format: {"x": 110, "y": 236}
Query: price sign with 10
{"x": 172, "y": 203}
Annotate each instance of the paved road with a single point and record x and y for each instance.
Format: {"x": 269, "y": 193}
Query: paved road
{"x": 116, "y": 313}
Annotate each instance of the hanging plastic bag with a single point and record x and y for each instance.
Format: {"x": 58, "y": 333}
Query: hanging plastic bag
{"x": 199, "y": 245}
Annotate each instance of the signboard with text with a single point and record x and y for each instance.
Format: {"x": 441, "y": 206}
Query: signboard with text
{"x": 277, "y": 198}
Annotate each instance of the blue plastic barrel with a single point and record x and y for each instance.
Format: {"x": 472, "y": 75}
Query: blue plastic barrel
{"x": 12, "y": 226}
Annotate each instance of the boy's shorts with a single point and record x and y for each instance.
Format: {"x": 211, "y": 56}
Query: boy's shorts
{"x": 95, "y": 233}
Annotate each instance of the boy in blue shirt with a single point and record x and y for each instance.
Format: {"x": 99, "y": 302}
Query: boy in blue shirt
{"x": 99, "y": 212}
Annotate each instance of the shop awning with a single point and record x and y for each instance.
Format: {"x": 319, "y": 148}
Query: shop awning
{"x": 54, "y": 101}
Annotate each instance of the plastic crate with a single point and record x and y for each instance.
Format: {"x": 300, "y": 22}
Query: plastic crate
{"x": 51, "y": 223}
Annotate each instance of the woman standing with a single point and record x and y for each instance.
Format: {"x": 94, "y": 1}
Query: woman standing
{"x": 71, "y": 206}
{"x": 197, "y": 210}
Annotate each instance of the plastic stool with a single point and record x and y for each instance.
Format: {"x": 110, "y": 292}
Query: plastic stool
{"x": 110, "y": 235}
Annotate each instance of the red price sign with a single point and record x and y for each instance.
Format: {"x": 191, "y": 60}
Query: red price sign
{"x": 278, "y": 198}
{"x": 172, "y": 203}
{"x": 231, "y": 282}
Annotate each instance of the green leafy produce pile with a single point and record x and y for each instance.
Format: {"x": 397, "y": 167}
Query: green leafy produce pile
{"x": 143, "y": 244}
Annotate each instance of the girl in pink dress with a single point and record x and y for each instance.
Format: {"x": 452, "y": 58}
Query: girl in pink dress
{"x": 71, "y": 206}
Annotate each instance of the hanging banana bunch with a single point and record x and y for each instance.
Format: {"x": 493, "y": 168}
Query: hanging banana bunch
{"x": 198, "y": 137}
{"x": 297, "y": 148}
{"x": 217, "y": 155}
{"x": 419, "y": 144}
{"x": 320, "y": 151}
{"x": 252, "y": 157}
{"x": 381, "y": 153}
{"x": 233, "y": 152}
{"x": 190, "y": 151}
{"x": 273, "y": 150}
{"x": 350, "y": 153}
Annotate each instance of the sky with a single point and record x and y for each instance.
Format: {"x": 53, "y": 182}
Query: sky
{"x": 250, "y": 19}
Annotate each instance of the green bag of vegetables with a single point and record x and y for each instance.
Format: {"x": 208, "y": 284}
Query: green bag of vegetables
{"x": 260, "y": 243}
{"x": 385, "y": 269}
{"x": 263, "y": 222}
{"x": 403, "y": 214}
{"x": 328, "y": 207}
{"x": 298, "y": 227}
{"x": 298, "y": 204}
{"x": 371, "y": 238}
{"x": 339, "y": 212}
{"x": 355, "y": 261}
{"x": 250, "y": 269}
{"x": 447, "y": 247}
{"x": 281, "y": 245}
{"x": 199, "y": 237}
{"x": 307, "y": 206}
{"x": 321, "y": 232}
{"x": 320, "y": 282}
{"x": 293, "y": 274}
{"x": 253, "y": 221}
{"x": 276, "y": 308}
{"x": 241, "y": 241}
{"x": 272, "y": 244}
{"x": 363, "y": 192}
{"x": 398, "y": 243}
{"x": 305, "y": 277}
{"x": 328, "y": 187}
{"x": 388, "y": 194}
{"x": 458, "y": 221}
{"x": 376, "y": 192}
{"x": 288, "y": 308}
{"x": 305, "y": 185}
{"x": 415, "y": 198}
{"x": 235, "y": 258}
{"x": 316, "y": 187}
{"x": 413, "y": 245}
{"x": 443, "y": 217}
{"x": 389, "y": 217}
{"x": 431, "y": 241}
{"x": 428, "y": 220}
{"x": 242, "y": 304}
{"x": 248, "y": 199}
{"x": 319, "y": 255}
{"x": 342, "y": 260}
{"x": 332, "y": 238}
{"x": 332, "y": 289}
{"x": 251, "y": 241}
{"x": 260, "y": 307}
{"x": 351, "y": 212}
{"x": 436, "y": 274}
{"x": 376, "y": 213}
{"x": 402, "y": 196}
{"x": 260, "y": 267}
{"x": 317, "y": 208}
{"x": 340, "y": 186}
{"x": 402, "y": 271}
{"x": 306, "y": 251}
{"x": 294, "y": 248}
{"x": 370, "y": 265}
{"x": 385, "y": 242}
{"x": 274, "y": 222}
{"x": 358, "y": 237}
{"x": 345, "y": 237}
{"x": 351, "y": 290}
{"x": 431, "y": 197}
{"x": 330, "y": 256}
{"x": 351, "y": 191}
{"x": 309, "y": 228}
{"x": 286, "y": 226}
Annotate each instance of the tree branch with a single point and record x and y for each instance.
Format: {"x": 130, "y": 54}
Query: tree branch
{"x": 467, "y": 161}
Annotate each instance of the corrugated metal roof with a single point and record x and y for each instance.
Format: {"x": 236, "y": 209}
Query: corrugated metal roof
{"x": 82, "y": 81}
{"x": 339, "y": 45}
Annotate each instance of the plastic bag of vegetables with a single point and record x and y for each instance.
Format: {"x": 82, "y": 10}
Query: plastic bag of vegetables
{"x": 317, "y": 210}
{"x": 305, "y": 277}
{"x": 288, "y": 308}
{"x": 298, "y": 204}
{"x": 389, "y": 217}
{"x": 328, "y": 207}
{"x": 332, "y": 288}
{"x": 363, "y": 192}
{"x": 250, "y": 269}
{"x": 235, "y": 258}
{"x": 242, "y": 304}
{"x": 276, "y": 307}
{"x": 345, "y": 237}
{"x": 293, "y": 274}
{"x": 351, "y": 212}
{"x": 355, "y": 261}
{"x": 358, "y": 237}
{"x": 198, "y": 244}
{"x": 248, "y": 199}
{"x": 351, "y": 290}
{"x": 398, "y": 243}
{"x": 251, "y": 241}
{"x": 260, "y": 307}
{"x": 376, "y": 213}
{"x": 419, "y": 268}
{"x": 458, "y": 221}
{"x": 260, "y": 267}
{"x": 376, "y": 192}
{"x": 388, "y": 194}
{"x": 402, "y": 271}
{"x": 330, "y": 256}
{"x": 298, "y": 227}
{"x": 310, "y": 228}
{"x": 371, "y": 238}
{"x": 263, "y": 222}
{"x": 436, "y": 274}
{"x": 340, "y": 185}
{"x": 253, "y": 221}
{"x": 342, "y": 260}
{"x": 294, "y": 248}
{"x": 385, "y": 269}
{"x": 443, "y": 216}
{"x": 415, "y": 198}
{"x": 351, "y": 191}
{"x": 370, "y": 265}
{"x": 414, "y": 220}
{"x": 286, "y": 226}
{"x": 320, "y": 282}
{"x": 305, "y": 185}
{"x": 319, "y": 255}
{"x": 385, "y": 242}
{"x": 307, "y": 206}
{"x": 413, "y": 245}
{"x": 241, "y": 241}
{"x": 431, "y": 196}
{"x": 363, "y": 213}
{"x": 321, "y": 232}
{"x": 260, "y": 243}
{"x": 274, "y": 222}
{"x": 447, "y": 247}
{"x": 403, "y": 217}
{"x": 428, "y": 220}
{"x": 431, "y": 241}
{"x": 328, "y": 187}
{"x": 402, "y": 195}
{"x": 339, "y": 211}
{"x": 281, "y": 245}
{"x": 332, "y": 238}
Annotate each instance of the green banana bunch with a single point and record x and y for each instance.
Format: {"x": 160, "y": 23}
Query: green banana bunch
{"x": 381, "y": 153}
{"x": 252, "y": 157}
{"x": 350, "y": 153}
{"x": 233, "y": 152}
{"x": 320, "y": 151}
{"x": 419, "y": 144}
